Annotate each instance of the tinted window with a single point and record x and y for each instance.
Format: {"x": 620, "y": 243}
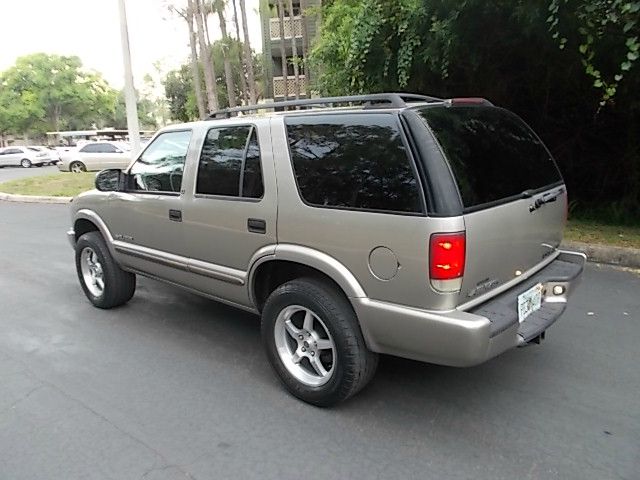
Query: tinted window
{"x": 12, "y": 151}
{"x": 353, "y": 161}
{"x": 493, "y": 154}
{"x": 230, "y": 163}
{"x": 90, "y": 148}
{"x": 160, "y": 166}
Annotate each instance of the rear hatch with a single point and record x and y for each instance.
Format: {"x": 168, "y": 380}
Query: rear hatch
{"x": 514, "y": 199}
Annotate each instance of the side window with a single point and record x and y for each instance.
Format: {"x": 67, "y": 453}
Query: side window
{"x": 159, "y": 168}
{"x": 230, "y": 163}
{"x": 90, "y": 148}
{"x": 353, "y": 161}
{"x": 108, "y": 148}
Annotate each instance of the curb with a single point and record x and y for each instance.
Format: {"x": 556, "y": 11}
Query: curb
{"x": 10, "y": 197}
{"x": 610, "y": 255}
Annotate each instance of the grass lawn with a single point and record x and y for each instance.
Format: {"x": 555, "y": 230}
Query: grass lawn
{"x": 591, "y": 232}
{"x": 61, "y": 184}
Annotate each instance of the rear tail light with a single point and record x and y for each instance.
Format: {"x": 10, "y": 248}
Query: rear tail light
{"x": 447, "y": 253}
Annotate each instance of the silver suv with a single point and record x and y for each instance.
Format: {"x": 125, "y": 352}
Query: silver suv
{"x": 397, "y": 224}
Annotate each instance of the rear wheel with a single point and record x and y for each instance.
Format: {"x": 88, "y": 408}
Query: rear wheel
{"x": 313, "y": 341}
{"x": 104, "y": 283}
{"x": 25, "y": 163}
{"x": 77, "y": 167}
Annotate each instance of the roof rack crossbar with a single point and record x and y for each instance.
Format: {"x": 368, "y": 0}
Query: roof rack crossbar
{"x": 393, "y": 100}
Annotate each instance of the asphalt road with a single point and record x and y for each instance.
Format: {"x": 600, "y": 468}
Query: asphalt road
{"x": 173, "y": 386}
{"x": 14, "y": 173}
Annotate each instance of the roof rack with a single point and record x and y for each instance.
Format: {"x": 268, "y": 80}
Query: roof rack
{"x": 374, "y": 100}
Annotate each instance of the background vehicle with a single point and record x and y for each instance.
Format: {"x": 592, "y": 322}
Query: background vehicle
{"x": 408, "y": 225}
{"x": 53, "y": 154}
{"x": 93, "y": 156}
{"x": 23, "y": 156}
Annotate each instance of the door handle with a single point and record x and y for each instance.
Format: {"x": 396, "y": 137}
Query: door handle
{"x": 256, "y": 225}
{"x": 175, "y": 215}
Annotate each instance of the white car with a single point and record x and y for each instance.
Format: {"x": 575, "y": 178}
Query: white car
{"x": 23, "y": 156}
{"x": 53, "y": 154}
{"x": 96, "y": 156}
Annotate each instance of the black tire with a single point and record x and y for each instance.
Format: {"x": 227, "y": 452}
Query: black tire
{"x": 26, "y": 163}
{"x": 119, "y": 286}
{"x": 81, "y": 167}
{"x": 354, "y": 366}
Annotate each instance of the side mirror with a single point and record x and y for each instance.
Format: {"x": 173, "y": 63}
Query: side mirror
{"x": 111, "y": 180}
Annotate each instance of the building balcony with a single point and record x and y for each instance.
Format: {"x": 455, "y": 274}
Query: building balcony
{"x": 292, "y": 27}
{"x": 278, "y": 86}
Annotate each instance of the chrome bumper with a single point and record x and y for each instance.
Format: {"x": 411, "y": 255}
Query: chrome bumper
{"x": 466, "y": 338}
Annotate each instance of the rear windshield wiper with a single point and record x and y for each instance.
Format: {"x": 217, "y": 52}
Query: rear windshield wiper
{"x": 552, "y": 197}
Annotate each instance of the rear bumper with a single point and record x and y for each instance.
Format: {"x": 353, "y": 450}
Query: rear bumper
{"x": 466, "y": 338}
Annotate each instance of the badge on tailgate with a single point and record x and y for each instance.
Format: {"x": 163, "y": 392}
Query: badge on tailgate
{"x": 529, "y": 302}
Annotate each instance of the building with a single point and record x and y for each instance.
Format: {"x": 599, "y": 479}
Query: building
{"x": 303, "y": 27}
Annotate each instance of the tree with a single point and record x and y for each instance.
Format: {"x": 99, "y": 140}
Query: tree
{"x": 294, "y": 51}
{"x": 245, "y": 85}
{"x": 247, "y": 56}
{"x": 187, "y": 15}
{"x": 228, "y": 74}
{"x": 179, "y": 83}
{"x": 51, "y": 92}
{"x": 209, "y": 74}
{"x": 503, "y": 50}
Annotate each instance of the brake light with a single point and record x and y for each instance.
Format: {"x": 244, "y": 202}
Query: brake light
{"x": 447, "y": 253}
{"x": 469, "y": 101}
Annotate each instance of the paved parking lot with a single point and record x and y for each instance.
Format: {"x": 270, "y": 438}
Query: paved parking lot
{"x": 14, "y": 173}
{"x": 173, "y": 386}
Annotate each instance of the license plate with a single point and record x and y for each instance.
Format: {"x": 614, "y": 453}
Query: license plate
{"x": 529, "y": 302}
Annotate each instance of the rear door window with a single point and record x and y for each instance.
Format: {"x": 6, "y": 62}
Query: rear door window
{"x": 353, "y": 161}
{"x": 494, "y": 155}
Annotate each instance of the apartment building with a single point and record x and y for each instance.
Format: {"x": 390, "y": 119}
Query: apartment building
{"x": 302, "y": 27}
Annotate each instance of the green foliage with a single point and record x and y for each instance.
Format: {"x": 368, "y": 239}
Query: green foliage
{"x": 503, "y": 50}
{"x": 50, "y": 92}
{"x": 608, "y": 38}
{"x": 179, "y": 88}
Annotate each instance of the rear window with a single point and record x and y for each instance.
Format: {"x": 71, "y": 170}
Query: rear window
{"x": 493, "y": 154}
{"x": 353, "y": 161}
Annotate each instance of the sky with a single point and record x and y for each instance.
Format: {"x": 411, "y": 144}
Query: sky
{"x": 90, "y": 29}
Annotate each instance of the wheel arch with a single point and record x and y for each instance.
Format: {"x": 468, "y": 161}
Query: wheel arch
{"x": 294, "y": 261}
{"x": 89, "y": 221}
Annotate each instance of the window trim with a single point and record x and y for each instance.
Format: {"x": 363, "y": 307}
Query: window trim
{"x": 410, "y": 157}
{"x": 212, "y": 196}
{"x": 156, "y": 192}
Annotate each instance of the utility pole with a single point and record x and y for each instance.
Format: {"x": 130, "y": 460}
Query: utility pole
{"x": 129, "y": 91}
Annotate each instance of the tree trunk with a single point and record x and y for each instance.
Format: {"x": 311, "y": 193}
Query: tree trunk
{"x": 244, "y": 88}
{"x": 283, "y": 54}
{"x": 205, "y": 55}
{"x": 305, "y": 47}
{"x": 247, "y": 55}
{"x": 195, "y": 69}
{"x": 294, "y": 50}
{"x": 228, "y": 73}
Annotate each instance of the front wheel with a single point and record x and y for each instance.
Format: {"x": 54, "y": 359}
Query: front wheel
{"x": 314, "y": 343}
{"x": 25, "y": 163}
{"x": 104, "y": 283}
{"x": 77, "y": 167}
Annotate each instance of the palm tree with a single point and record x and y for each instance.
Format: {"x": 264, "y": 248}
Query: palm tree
{"x": 218, "y": 6}
{"x": 283, "y": 54}
{"x": 187, "y": 15}
{"x": 205, "y": 54}
{"x": 247, "y": 55}
{"x": 294, "y": 50}
{"x": 245, "y": 86}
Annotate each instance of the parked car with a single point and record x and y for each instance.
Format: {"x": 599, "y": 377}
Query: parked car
{"x": 412, "y": 226}
{"x": 23, "y": 156}
{"x": 94, "y": 156}
{"x": 54, "y": 156}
